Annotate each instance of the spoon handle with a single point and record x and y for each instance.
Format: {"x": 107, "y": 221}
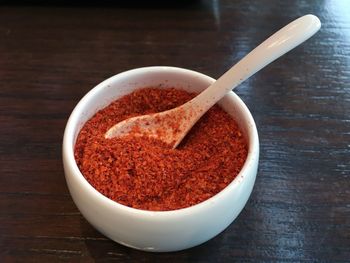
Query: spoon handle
{"x": 272, "y": 48}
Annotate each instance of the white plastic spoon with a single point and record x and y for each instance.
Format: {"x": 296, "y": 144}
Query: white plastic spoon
{"x": 172, "y": 126}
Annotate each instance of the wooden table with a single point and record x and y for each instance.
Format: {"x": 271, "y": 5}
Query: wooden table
{"x": 51, "y": 55}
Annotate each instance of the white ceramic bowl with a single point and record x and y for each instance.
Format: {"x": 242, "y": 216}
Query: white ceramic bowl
{"x": 167, "y": 230}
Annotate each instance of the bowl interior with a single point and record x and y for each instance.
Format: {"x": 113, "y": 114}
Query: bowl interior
{"x": 162, "y": 77}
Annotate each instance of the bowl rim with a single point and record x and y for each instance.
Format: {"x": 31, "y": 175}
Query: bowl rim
{"x": 73, "y": 121}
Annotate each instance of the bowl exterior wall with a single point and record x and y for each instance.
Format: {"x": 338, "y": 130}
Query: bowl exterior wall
{"x": 158, "y": 231}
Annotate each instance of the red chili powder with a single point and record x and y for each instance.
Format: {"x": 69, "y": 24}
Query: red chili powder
{"x": 147, "y": 174}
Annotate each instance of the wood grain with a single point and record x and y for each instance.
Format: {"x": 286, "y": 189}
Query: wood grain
{"x": 52, "y": 54}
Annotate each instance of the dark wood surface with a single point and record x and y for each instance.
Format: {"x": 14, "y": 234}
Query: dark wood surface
{"x": 52, "y": 54}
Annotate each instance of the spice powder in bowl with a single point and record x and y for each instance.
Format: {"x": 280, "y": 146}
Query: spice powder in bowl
{"x": 145, "y": 173}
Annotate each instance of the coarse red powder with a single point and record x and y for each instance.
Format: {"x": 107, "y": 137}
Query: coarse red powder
{"x": 147, "y": 174}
